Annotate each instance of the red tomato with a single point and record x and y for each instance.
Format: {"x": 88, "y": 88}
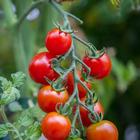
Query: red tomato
{"x": 100, "y": 66}
{"x": 40, "y": 67}
{"x": 48, "y": 98}
{"x": 75, "y": 139}
{"x": 55, "y": 126}
{"x": 103, "y": 130}
{"x": 58, "y": 42}
{"x": 84, "y": 112}
{"x": 70, "y": 84}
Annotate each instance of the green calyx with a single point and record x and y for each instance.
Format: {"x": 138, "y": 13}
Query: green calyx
{"x": 63, "y": 29}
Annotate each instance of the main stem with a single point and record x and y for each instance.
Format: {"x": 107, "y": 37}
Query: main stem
{"x": 5, "y": 120}
{"x": 73, "y": 66}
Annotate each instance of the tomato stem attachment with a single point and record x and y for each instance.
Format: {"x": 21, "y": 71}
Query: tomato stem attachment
{"x": 93, "y": 52}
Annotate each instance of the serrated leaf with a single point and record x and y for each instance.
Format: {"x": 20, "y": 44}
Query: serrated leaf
{"x": 3, "y": 130}
{"x": 115, "y": 2}
{"x": 25, "y": 121}
{"x": 3, "y": 80}
{"x": 34, "y": 131}
{"x": 10, "y": 95}
{"x": 18, "y": 79}
{"x": 5, "y": 83}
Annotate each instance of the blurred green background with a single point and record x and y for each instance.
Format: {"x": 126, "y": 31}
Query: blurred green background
{"x": 117, "y": 29}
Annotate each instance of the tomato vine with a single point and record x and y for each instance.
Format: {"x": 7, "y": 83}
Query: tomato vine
{"x": 42, "y": 71}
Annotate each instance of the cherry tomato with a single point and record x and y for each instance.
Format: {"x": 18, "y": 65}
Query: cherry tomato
{"x": 75, "y": 139}
{"x": 40, "y": 67}
{"x": 55, "y": 126}
{"x": 84, "y": 112}
{"x": 103, "y": 130}
{"x": 70, "y": 84}
{"x": 58, "y": 42}
{"x": 100, "y": 66}
{"x": 48, "y": 98}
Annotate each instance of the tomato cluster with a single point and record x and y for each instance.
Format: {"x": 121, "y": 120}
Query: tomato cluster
{"x": 56, "y": 125}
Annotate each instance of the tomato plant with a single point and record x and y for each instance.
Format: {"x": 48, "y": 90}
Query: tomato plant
{"x": 99, "y": 67}
{"x": 40, "y": 67}
{"x": 103, "y": 130}
{"x": 48, "y": 98}
{"x": 70, "y": 84}
{"x": 55, "y": 126}
{"x": 84, "y": 112}
{"x": 58, "y": 42}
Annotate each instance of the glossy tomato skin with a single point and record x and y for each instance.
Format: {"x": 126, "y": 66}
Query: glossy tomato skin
{"x": 48, "y": 98}
{"x": 75, "y": 139}
{"x": 40, "y": 67}
{"x": 55, "y": 126}
{"x": 70, "y": 84}
{"x": 84, "y": 112}
{"x": 58, "y": 42}
{"x": 100, "y": 66}
{"x": 103, "y": 130}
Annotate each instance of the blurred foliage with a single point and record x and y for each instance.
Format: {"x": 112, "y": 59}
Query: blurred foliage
{"x": 105, "y": 25}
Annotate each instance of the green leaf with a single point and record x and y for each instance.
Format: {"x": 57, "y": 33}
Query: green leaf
{"x": 3, "y": 130}
{"x": 24, "y": 121}
{"x": 34, "y": 131}
{"x": 18, "y": 79}
{"x": 9, "y": 95}
{"x": 5, "y": 83}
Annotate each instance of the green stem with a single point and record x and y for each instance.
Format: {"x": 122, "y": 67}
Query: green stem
{"x": 88, "y": 69}
{"x": 8, "y": 12}
{"x": 5, "y": 120}
{"x": 16, "y": 131}
{"x": 28, "y": 10}
{"x": 63, "y": 14}
{"x": 73, "y": 65}
{"x": 63, "y": 57}
{"x": 97, "y": 118}
{"x": 91, "y": 47}
{"x": 3, "y": 114}
{"x": 89, "y": 91}
{"x": 74, "y": 120}
{"x": 15, "y": 38}
{"x": 74, "y": 17}
{"x": 81, "y": 124}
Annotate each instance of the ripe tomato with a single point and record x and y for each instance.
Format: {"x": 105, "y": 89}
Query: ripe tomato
{"x": 75, "y": 139}
{"x": 100, "y": 66}
{"x": 48, "y": 98}
{"x": 55, "y": 126}
{"x": 84, "y": 112}
{"x": 70, "y": 84}
{"x": 58, "y": 42}
{"x": 40, "y": 67}
{"x": 103, "y": 130}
